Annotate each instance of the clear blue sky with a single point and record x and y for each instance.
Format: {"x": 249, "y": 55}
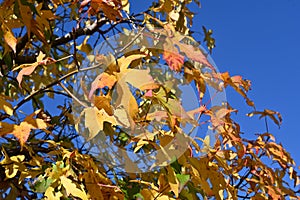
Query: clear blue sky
{"x": 260, "y": 40}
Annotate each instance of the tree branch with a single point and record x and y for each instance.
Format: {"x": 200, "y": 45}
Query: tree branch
{"x": 89, "y": 30}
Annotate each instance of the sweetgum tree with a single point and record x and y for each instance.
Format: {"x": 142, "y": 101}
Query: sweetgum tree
{"x": 93, "y": 107}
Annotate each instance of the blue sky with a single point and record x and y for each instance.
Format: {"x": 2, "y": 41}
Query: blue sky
{"x": 260, "y": 41}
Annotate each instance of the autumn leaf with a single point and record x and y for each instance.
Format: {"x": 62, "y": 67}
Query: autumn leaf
{"x": 44, "y": 17}
{"x": 192, "y": 52}
{"x": 22, "y": 131}
{"x": 28, "y": 69}
{"x": 94, "y": 120}
{"x": 174, "y": 60}
{"x": 210, "y": 41}
{"x": 9, "y": 37}
{"x": 274, "y": 115}
{"x": 173, "y": 181}
{"x": 72, "y": 189}
{"x": 4, "y": 105}
{"x": 110, "y": 8}
{"x": 126, "y": 6}
{"x": 103, "y": 102}
{"x": 101, "y": 81}
{"x": 6, "y": 128}
{"x": 173, "y": 106}
{"x": 128, "y": 77}
{"x": 238, "y": 84}
{"x": 84, "y": 46}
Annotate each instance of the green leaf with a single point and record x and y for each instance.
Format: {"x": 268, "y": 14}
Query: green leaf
{"x": 42, "y": 184}
{"x": 183, "y": 178}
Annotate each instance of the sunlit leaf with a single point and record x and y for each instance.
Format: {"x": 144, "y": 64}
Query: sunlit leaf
{"x": 6, "y": 106}
{"x": 27, "y": 69}
{"x": 9, "y": 37}
{"x": 72, "y": 189}
{"x": 94, "y": 120}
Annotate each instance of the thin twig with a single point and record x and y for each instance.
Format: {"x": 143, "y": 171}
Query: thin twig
{"x": 72, "y": 95}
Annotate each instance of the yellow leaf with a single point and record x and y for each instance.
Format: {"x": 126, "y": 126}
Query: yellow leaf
{"x": 140, "y": 144}
{"x": 122, "y": 117}
{"x": 49, "y": 194}
{"x": 18, "y": 158}
{"x": 44, "y": 17}
{"x": 9, "y": 37}
{"x": 149, "y": 194}
{"x": 72, "y": 189}
{"x": 173, "y": 182}
{"x": 26, "y": 15}
{"x": 11, "y": 171}
{"x": 85, "y": 47}
{"x": 125, "y": 5}
{"x": 125, "y": 61}
{"x": 4, "y": 105}
{"x": 94, "y": 120}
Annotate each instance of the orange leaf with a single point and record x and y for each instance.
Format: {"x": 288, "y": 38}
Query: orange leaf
{"x": 190, "y": 51}
{"x": 22, "y": 132}
{"x": 101, "y": 81}
{"x": 27, "y": 69}
{"x": 174, "y": 60}
{"x": 110, "y": 8}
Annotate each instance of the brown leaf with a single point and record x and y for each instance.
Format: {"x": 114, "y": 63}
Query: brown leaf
{"x": 103, "y": 102}
{"x": 275, "y": 116}
{"x": 110, "y": 8}
{"x": 6, "y": 128}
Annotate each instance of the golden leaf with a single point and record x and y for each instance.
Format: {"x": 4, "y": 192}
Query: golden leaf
{"x": 84, "y": 46}
{"x": 94, "y": 120}
{"x": 9, "y": 37}
{"x": 4, "y": 105}
{"x": 72, "y": 189}
{"x": 173, "y": 182}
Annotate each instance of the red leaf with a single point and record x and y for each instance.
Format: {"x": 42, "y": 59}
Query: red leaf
{"x": 174, "y": 60}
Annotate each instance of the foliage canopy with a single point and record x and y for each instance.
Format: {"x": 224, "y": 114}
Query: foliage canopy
{"x": 130, "y": 97}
